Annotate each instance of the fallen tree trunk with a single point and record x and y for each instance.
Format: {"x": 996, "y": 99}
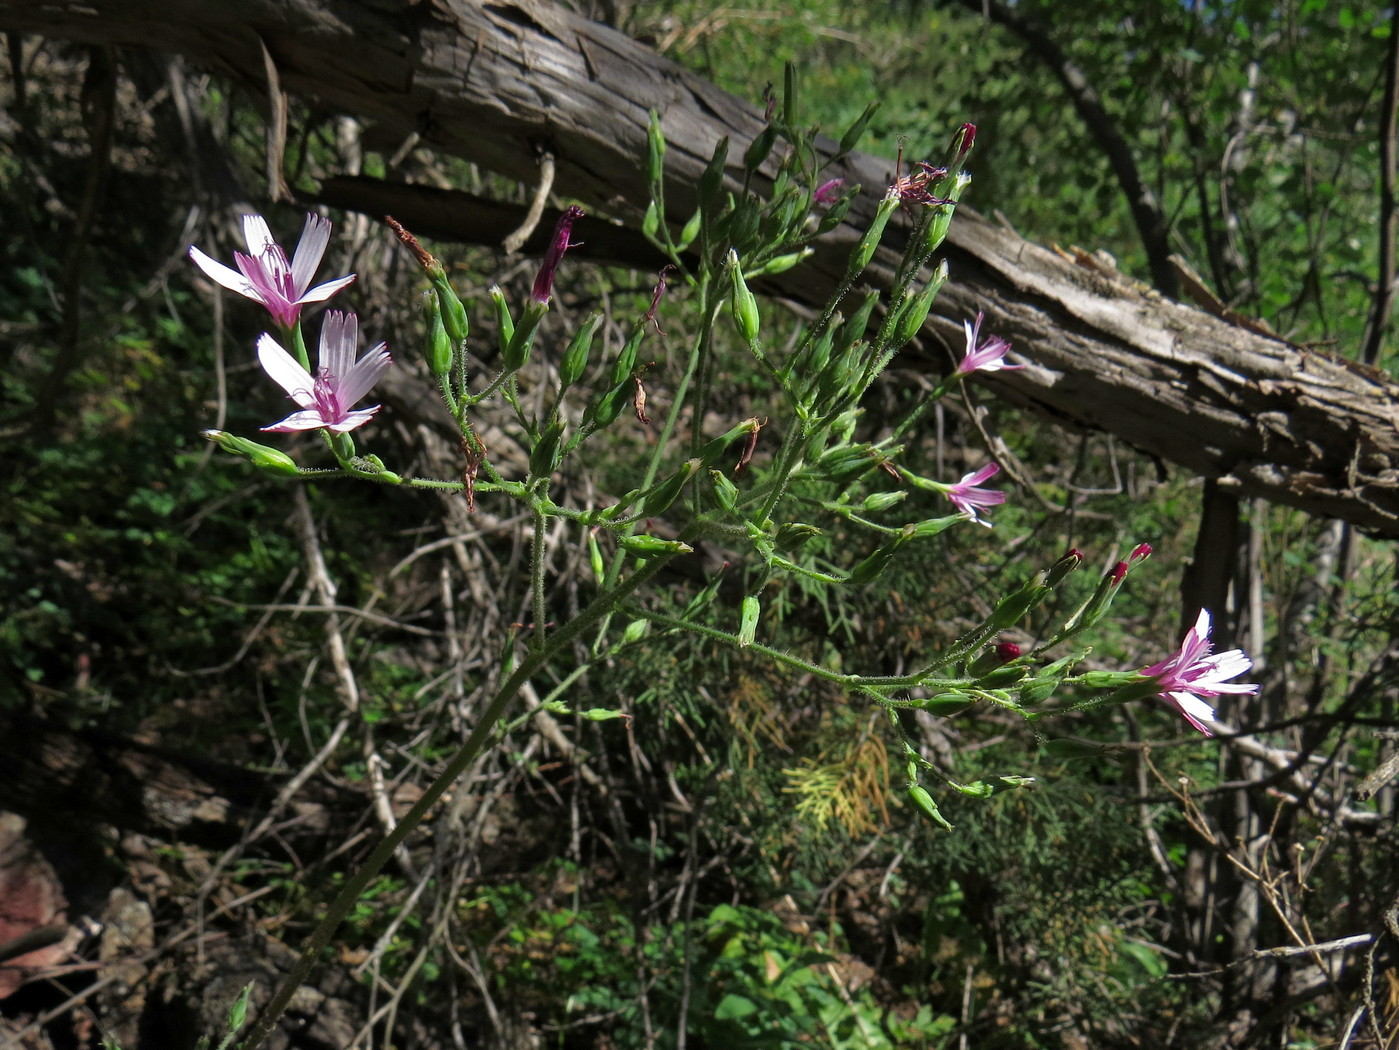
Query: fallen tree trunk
{"x": 496, "y": 82}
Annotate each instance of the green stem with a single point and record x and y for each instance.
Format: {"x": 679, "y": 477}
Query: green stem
{"x": 536, "y": 577}
{"x": 854, "y": 681}
{"x": 356, "y": 884}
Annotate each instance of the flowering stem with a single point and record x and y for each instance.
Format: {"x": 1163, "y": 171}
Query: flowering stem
{"x": 356, "y": 884}
{"x": 536, "y": 573}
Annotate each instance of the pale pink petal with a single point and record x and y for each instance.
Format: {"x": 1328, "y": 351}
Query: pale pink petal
{"x": 306, "y": 419}
{"x": 285, "y": 371}
{"x": 257, "y": 234}
{"x": 322, "y": 292}
{"x": 1196, "y": 711}
{"x": 315, "y": 235}
{"x": 339, "y": 341}
{"x": 223, "y": 275}
{"x": 354, "y": 419}
{"x": 364, "y": 373}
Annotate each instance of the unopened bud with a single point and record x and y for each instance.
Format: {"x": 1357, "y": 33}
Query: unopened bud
{"x": 271, "y": 460}
{"x": 924, "y": 803}
{"x": 748, "y": 620}
{"x": 745, "y": 306}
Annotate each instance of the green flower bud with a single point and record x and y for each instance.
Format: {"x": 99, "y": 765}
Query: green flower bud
{"x": 438, "y": 352}
{"x": 1011, "y": 609}
{"x": 544, "y": 457}
{"x": 690, "y": 231}
{"x": 651, "y": 221}
{"x": 878, "y": 501}
{"x": 270, "y": 460}
{"x": 453, "y": 311}
{"x": 925, "y": 805}
{"x": 745, "y": 306}
{"x": 781, "y": 263}
{"x": 851, "y": 138}
{"x": 595, "y": 557}
{"x": 659, "y": 499}
{"x": 789, "y": 94}
{"x": 1072, "y": 749}
{"x": 945, "y": 705}
{"x": 603, "y": 714}
{"x": 864, "y": 250}
{"x": 522, "y": 338}
{"x": 655, "y": 148}
{"x": 504, "y": 322}
{"x": 644, "y": 546}
{"x": 914, "y": 310}
{"x": 1038, "y": 690}
{"x": 748, "y": 620}
{"x": 792, "y": 535}
{"x": 575, "y": 358}
{"x": 873, "y": 566}
{"x": 724, "y": 490}
{"x": 710, "y": 187}
{"x": 759, "y": 148}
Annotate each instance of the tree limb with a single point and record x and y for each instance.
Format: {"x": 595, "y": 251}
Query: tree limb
{"x": 492, "y": 80}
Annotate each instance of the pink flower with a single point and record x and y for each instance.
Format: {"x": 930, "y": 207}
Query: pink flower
{"x": 988, "y": 357}
{"x": 544, "y": 280}
{"x": 967, "y": 498}
{"x": 1188, "y": 676}
{"x": 828, "y": 192}
{"x": 325, "y": 400}
{"x": 265, "y": 275}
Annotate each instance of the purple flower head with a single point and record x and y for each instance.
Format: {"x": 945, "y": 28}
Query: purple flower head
{"x": 967, "y": 498}
{"x": 989, "y": 356}
{"x": 1193, "y": 673}
{"x": 962, "y": 141}
{"x": 339, "y": 382}
{"x": 1007, "y": 651}
{"x": 828, "y": 191}
{"x": 1118, "y": 572}
{"x": 264, "y": 274}
{"x": 544, "y": 282}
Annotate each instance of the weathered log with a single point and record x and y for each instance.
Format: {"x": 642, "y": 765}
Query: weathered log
{"x": 495, "y": 82}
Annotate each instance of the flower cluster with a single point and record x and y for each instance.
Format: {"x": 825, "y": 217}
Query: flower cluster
{"x": 326, "y": 398}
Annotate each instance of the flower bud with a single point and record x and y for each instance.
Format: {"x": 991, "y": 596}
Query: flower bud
{"x": 505, "y": 324}
{"x": 644, "y": 546}
{"x": 924, "y": 803}
{"x": 544, "y": 457}
{"x": 864, "y": 250}
{"x": 748, "y": 620}
{"x": 724, "y": 490}
{"x": 662, "y": 495}
{"x": 878, "y": 501}
{"x": 575, "y": 358}
{"x": 271, "y": 460}
{"x": 655, "y": 148}
{"x": 438, "y": 351}
{"x": 851, "y": 138}
{"x": 945, "y": 705}
{"x": 745, "y": 306}
{"x": 1065, "y": 565}
{"x": 560, "y": 243}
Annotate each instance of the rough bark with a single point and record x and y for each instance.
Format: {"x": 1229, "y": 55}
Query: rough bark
{"x": 495, "y": 81}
